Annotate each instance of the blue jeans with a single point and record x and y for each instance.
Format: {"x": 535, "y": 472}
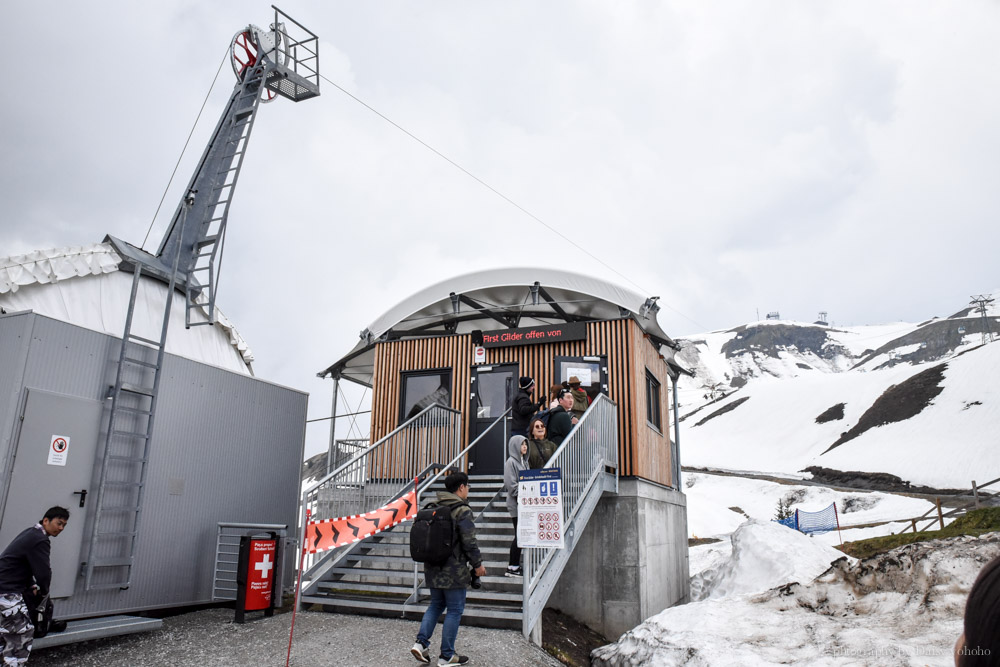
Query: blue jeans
{"x": 441, "y": 598}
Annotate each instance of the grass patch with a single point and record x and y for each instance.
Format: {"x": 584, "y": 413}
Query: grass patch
{"x": 975, "y": 522}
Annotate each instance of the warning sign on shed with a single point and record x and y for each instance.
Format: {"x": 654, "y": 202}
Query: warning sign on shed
{"x": 58, "y": 450}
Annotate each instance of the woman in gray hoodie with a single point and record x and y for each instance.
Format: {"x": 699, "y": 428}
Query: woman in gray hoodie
{"x": 517, "y": 460}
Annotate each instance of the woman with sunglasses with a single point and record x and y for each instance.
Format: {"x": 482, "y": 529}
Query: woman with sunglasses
{"x": 540, "y": 448}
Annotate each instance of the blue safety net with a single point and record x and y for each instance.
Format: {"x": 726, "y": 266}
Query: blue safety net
{"x": 788, "y": 522}
{"x": 822, "y": 521}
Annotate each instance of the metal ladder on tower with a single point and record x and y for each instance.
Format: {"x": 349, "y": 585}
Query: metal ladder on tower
{"x": 205, "y": 261}
{"x": 267, "y": 65}
{"x": 126, "y": 446}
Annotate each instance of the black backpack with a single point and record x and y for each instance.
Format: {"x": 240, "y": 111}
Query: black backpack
{"x": 433, "y": 535}
{"x": 543, "y": 416}
{"x": 40, "y": 611}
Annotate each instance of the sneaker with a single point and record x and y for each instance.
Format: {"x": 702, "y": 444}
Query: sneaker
{"x": 454, "y": 660}
{"x": 513, "y": 571}
{"x": 421, "y": 653}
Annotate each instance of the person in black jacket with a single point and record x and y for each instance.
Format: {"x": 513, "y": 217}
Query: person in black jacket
{"x": 522, "y": 407}
{"x": 561, "y": 419}
{"x": 24, "y": 567}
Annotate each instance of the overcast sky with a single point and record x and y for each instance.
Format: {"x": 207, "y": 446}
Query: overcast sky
{"x": 729, "y": 157}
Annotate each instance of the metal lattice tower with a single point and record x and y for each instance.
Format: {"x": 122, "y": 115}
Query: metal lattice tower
{"x": 266, "y": 64}
{"x": 981, "y": 303}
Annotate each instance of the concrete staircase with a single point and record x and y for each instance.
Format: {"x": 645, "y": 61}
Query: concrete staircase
{"x": 377, "y": 578}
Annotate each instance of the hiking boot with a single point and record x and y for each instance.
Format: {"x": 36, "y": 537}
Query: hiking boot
{"x": 513, "y": 571}
{"x": 421, "y": 653}
{"x": 453, "y": 660}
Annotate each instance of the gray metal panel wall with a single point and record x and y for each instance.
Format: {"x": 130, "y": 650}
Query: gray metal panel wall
{"x": 15, "y": 336}
{"x": 227, "y": 447}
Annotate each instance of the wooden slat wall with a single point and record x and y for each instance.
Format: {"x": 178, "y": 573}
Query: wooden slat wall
{"x": 629, "y": 353}
{"x": 652, "y": 446}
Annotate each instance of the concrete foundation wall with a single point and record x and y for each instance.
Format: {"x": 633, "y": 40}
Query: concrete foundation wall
{"x": 630, "y": 563}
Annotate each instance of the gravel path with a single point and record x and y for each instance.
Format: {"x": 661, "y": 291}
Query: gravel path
{"x": 209, "y": 637}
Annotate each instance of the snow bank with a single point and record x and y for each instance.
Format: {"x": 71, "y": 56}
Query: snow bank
{"x": 902, "y": 608}
{"x": 710, "y": 498}
{"x": 764, "y": 555}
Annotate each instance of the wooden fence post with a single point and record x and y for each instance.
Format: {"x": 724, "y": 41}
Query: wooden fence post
{"x": 913, "y": 522}
{"x": 937, "y": 501}
{"x": 975, "y": 492}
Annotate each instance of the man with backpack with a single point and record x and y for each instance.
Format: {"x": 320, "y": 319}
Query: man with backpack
{"x": 447, "y": 578}
{"x": 24, "y": 569}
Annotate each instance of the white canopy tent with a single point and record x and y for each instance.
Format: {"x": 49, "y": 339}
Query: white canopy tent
{"x": 83, "y": 285}
{"x": 495, "y": 299}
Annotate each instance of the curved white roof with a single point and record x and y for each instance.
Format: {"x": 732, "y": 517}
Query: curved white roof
{"x": 83, "y": 285}
{"x": 498, "y": 298}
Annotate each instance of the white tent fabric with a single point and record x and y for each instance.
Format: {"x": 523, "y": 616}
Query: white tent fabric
{"x": 83, "y": 286}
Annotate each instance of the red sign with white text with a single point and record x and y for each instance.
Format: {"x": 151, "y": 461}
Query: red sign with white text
{"x": 260, "y": 574}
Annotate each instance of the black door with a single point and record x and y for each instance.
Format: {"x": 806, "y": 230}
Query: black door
{"x": 493, "y": 389}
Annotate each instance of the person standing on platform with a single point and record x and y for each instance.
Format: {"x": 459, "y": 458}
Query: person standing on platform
{"x": 540, "y": 448}
{"x": 561, "y": 420}
{"x": 522, "y": 407}
{"x": 581, "y": 401}
{"x": 517, "y": 460}
{"x": 24, "y": 568}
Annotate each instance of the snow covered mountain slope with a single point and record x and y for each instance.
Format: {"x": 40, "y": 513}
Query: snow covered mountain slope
{"x": 917, "y": 401}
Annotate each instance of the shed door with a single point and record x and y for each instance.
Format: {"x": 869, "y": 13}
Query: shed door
{"x": 39, "y": 481}
{"x": 492, "y": 392}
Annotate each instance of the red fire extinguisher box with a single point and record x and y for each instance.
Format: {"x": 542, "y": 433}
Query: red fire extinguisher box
{"x": 258, "y": 565}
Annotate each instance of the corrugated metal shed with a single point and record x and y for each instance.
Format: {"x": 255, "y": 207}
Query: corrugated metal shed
{"x": 227, "y": 447}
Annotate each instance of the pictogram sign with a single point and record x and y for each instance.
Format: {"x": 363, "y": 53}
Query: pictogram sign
{"x": 540, "y": 511}
{"x": 58, "y": 450}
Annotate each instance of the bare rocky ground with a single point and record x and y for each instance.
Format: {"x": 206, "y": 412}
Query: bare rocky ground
{"x": 210, "y": 637}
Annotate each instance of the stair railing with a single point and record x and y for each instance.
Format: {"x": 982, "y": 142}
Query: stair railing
{"x": 376, "y": 475}
{"x": 415, "y": 594}
{"x": 588, "y": 459}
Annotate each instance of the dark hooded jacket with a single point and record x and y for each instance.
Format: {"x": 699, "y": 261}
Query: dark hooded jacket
{"x": 454, "y": 573}
{"x": 522, "y": 410}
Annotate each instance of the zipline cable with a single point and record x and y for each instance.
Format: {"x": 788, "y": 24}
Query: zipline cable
{"x": 484, "y": 184}
{"x": 183, "y": 150}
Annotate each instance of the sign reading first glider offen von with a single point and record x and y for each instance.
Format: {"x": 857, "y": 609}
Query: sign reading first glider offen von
{"x": 552, "y": 333}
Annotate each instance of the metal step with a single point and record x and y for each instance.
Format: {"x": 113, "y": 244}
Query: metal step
{"x": 473, "y": 615}
{"x": 96, "y": 628}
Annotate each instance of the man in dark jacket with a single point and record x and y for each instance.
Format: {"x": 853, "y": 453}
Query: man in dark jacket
{"x": 561, "y": 419}
{"x": 24, "y": 566}
{"x": 522, "y": 407}
{"x": 448, "y": 581}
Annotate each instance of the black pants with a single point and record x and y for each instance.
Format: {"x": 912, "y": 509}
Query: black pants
{"x": 515, "y": 551}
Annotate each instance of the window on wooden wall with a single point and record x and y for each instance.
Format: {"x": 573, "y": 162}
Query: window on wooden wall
{"x": 653, "y": 401}
{"x": 423, "y": 388}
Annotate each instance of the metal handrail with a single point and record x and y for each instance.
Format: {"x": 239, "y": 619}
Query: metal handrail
{"x": 378, "y": 443}
{"x": 414, "y": 595}
{"x": 371, "y": 477}
{"x": 463, "y": 452}
{"x": 584, "y": 457}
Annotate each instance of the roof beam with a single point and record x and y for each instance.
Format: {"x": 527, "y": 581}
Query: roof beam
{"x": 502, "y": 319}
{"x": 566, "y": 317}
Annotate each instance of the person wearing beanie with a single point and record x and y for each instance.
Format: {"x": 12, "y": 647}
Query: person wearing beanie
{"x": 523, "y": 408}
